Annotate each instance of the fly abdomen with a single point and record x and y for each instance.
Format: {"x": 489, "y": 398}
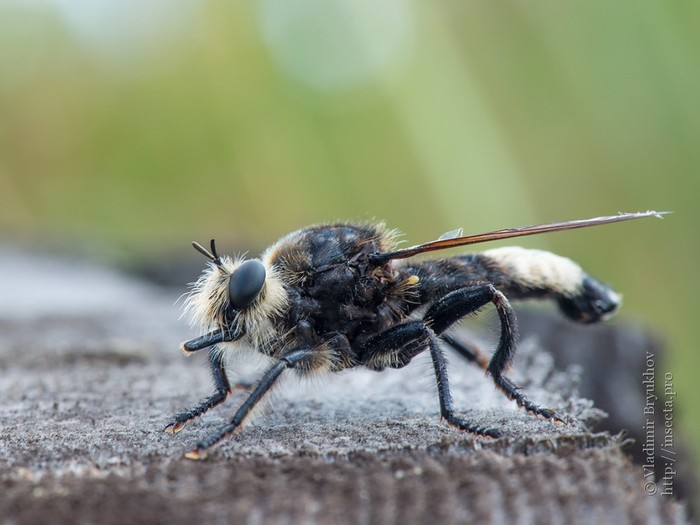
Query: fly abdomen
{"x": 521, "y": 273}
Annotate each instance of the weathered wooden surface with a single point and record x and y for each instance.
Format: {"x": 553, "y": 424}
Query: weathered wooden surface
{"x": 90, "y": 373}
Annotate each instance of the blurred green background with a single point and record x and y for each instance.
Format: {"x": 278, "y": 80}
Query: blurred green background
{"x": 140, "y": 126}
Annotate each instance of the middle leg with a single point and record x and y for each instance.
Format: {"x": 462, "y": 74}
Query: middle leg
{"x": 460, "y": 303}
{"x": 289, "y": 360}
{"x": 396, "y": 346}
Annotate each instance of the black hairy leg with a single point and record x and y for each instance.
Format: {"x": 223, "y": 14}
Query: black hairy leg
{"x": 468, "y": 350}
{"x": 290, "y": 360}
{"x": 212, "y": 338}
{"x": 460, "y": 303}
{"x": 445, "y": 396}
{"x": 222, "y": 390}
{"x": 397, "y": 345}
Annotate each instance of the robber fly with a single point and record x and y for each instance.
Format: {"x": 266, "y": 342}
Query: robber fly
{"x": 337, "y": 296}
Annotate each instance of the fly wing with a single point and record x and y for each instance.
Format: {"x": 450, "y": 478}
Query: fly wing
{"x": 450, "y": 241}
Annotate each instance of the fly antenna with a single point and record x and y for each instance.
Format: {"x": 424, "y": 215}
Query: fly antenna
{"x": 213, "y": 255}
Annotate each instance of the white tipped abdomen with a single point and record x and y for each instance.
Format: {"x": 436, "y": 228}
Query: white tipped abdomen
{"x": 538, "y": 269}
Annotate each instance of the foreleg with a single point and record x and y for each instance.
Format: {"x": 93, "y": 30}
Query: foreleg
{"x": 222, "y": 390}
{"x": 290, "y": 360}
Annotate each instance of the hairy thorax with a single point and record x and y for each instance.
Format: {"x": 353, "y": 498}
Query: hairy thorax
{"x": 330, "y": 285}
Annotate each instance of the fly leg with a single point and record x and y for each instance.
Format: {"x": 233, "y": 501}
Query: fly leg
{"x": 468, "y": 350}
{"x": 290, "y": 360}
{"x": 223, "y": 389}
{"x": 396, "y": 346}
{"x": 459, "y": 303}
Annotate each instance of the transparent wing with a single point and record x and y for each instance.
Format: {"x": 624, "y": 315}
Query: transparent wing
{"x": 454, "y": 239}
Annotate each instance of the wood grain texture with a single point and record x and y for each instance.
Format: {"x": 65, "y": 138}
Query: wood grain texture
{"x": 86, "y": 394}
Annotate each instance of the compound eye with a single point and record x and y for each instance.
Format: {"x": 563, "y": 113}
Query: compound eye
{"x": 245, "y": 283}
